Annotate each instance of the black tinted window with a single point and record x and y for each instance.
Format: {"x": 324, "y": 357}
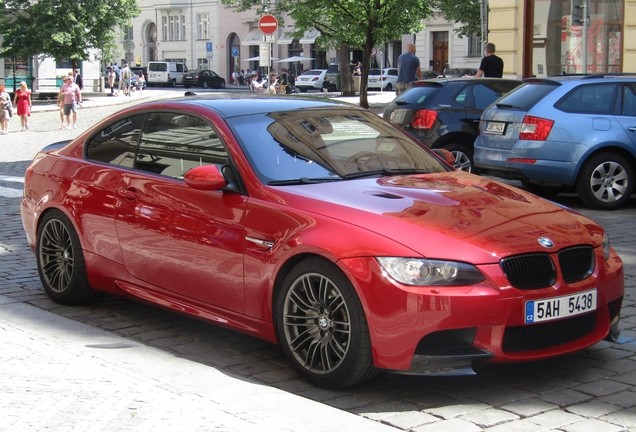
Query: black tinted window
{"x": 486, "y": 94}
{"x": 117, "y": 143}
{"x": 418, "y": 95}
{"x": 596, "y": 98}
{"x": 527, "y": 95}
{"x": 174, "y": 143}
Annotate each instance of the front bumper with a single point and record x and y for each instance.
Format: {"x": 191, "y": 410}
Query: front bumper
{"x": 441, "y": 330}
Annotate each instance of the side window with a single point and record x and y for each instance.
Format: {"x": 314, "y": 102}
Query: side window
{"x": 484, "y": 95}
{"x": 174, "y": 143}
{"x": 464, "y": 95}
{"x": 595, "y": 99}
{"x": 179, "y": 67}
{"x": 117, "y": 143}
{"x": 629, "y": 100}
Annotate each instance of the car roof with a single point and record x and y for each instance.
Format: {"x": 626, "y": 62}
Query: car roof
{"x": 561, "y": 79}
{"x": 250, "y": 104}
{"x": 446, "y": 80}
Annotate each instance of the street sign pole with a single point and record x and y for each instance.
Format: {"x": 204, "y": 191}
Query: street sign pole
{"x": 268, "y": 24}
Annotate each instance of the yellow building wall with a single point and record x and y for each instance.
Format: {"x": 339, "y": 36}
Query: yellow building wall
{"x": 505, "y": 25}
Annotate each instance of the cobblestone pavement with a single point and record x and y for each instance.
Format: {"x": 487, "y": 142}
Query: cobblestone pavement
{"x": 592, "y": 390}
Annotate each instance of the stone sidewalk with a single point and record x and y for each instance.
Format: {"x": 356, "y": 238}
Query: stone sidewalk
{"x": 122, "y": 365}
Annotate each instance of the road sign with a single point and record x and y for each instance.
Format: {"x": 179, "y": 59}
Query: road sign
{"x": 374, "y": 52}
{"x": 264, "y": 57}
{"x": 268, "y": 38}
{"x": 129, "y": 45}
{"x": 268, "y": 24}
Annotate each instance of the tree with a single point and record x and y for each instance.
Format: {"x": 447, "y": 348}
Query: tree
{"x": 361, "y": 24}
{"x": 465, "y": 12}
{"x": 62, "y": 28}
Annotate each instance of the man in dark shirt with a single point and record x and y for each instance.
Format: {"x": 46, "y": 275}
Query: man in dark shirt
{"x": 491, "y": 66}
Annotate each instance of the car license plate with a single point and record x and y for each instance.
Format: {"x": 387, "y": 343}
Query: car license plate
{"x": 495, "y": 127}
{"x": 560, "y": 307}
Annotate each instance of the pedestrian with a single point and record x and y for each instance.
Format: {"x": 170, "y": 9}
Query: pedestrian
{"x": 5, "y": 107}
{"x": 358, "y": 69}
{"x": 284, "y": 81}
{"x": 325, "y": 85}
{"x": 22, "y": 100}
{"x": 491, "y": 65}
{"x": 124, "y": 76}
{"x": 112, "y": 76}
{"x": 60, "y": 104}
{"x": 408, "y": 70}
{"x": 141, "y": 82}
{"x": 77, "y": 79}
{"x": 72, "y": 100}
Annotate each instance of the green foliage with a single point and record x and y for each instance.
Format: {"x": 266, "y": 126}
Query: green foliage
{"x": 62, "y": 28}
{"x": 357, "y": 24}
{"x": 464, "y": 12}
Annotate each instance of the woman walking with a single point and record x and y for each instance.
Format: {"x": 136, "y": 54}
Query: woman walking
{"x": 22, "y": 100}
{"x": 5, "y": 106}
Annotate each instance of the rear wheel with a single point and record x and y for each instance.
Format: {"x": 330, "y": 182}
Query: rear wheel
{"x": 463, "y": 156}
{"x": 173, "y": 83}
{"x": 388, "y": 87}
{"x": 60, "y": 261}
{"x": 606, "y": 181}
{"x": 322, "y": 327}
{"x": 204, "y": 84}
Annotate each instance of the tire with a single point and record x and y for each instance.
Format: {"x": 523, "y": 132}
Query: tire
{"x": 222, "y": 84}
{"x": 204, "y": 84}
{"x": 606, "y": 181}
{"x": 319, "y": 317}
{"x": 463, "y": 156}
{"x": 60, "y": 261}
{"x": 388, "y": 87}
{"x": 173, "y": 83}
{"x": 542, "y": 191}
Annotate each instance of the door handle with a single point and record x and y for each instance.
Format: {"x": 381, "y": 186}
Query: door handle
{"x": 129, "y": 194}
{"x": 632, "y": 128}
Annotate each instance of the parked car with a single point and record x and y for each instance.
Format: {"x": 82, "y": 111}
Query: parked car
{"x": 319, "y": 226}
{"x": 311, "y": 80}
{"x": 144, "y": 70}
{"x": 565, "y": 132}
{"x": 333, "y": 75}
{"x": 203, "y": 78}
{"x": 458, "y": 72}
{"x": 164, "y": 72}
{"x": 384, "y": 79}
{"x": 444, "y": 113}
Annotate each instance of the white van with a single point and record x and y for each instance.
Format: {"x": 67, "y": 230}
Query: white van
{"x": 164, "y": 72}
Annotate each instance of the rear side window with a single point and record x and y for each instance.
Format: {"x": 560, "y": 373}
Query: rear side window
{"x": 117, "y": 143}
{"x": 595, "y": 98}
{"x": 527, "y": 95}
{"x": 629, "y": 100}
{"x": 485, "y": 94}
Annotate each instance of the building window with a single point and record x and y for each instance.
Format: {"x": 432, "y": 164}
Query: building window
{"x": 474, "y": 46}
{"x": 164, "y": 34}
{"x": 127, "y": 33}
{"x": 202, "y": 63}
{"x": 183, "y": 28}
{"x": 202, "y": 26}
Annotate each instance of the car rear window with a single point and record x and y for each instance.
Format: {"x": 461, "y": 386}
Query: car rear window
{"x": 527, "y": 95}
{"x": 375, "y": 72}
{"x": 419, "y": 94}
{"x": 158, "y": 67}
{"x": 313, "y": 72}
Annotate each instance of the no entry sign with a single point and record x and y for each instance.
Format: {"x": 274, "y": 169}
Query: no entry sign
{"x": 268, "y": 24}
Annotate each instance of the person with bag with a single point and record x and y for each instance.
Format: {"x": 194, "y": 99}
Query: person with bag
{"x": 22, "y": 100}
{"x": 5, "y": 113}
{"x": 284, "y": 82}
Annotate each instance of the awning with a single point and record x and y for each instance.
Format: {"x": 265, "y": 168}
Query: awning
{"x": 286, "y": 40}
{"x": 309, "y": 37}
{"x": 254, "y": 37}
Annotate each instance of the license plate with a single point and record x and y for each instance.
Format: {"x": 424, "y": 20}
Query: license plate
{"x": 495, "y": 127}
{"x": 560, "y": 307}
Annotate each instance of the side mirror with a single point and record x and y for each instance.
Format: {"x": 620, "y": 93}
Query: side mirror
{"x": 445, "y": 155}
{"x": 207, "y": 177}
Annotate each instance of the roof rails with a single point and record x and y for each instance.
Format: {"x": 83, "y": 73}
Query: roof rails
{"x": 609, "y": 75}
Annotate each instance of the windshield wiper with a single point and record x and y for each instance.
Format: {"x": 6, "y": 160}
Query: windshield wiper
{"x": 502, "y": 105}
{"x": 302, "y": 180}
{"x": 385, "y": 173}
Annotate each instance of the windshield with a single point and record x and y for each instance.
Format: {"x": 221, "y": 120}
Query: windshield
{"x": 327, "y": 144}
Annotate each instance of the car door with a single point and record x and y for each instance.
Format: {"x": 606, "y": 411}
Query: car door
{"x": 627, "y": 113}
{"x": 185, "y": 241}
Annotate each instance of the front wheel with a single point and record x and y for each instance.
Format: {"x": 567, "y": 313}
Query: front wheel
{"x": 463, "y": 156}
{"x": 60, "y": 261}
{"x": 322, "y": 327}
{"x": 606, "y": 181}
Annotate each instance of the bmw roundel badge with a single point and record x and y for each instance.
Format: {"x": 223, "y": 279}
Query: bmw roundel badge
{"x": 546, "y": 242}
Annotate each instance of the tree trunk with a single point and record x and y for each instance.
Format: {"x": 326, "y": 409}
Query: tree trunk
{"x": 346, "y": 79}
{"x": 364, "y": 79}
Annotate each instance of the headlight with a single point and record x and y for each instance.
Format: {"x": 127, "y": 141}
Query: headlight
{"x": 606, "y": 246}
{"x": 422, "y": 272}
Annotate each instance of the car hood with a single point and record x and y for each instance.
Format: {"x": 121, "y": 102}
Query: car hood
{"x": 450, "y": 215}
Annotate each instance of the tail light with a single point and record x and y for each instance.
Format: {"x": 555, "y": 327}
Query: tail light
{"x": 315, "y": 79}
{"x": 535, "y": 128}
{"x": 424, "y": 119}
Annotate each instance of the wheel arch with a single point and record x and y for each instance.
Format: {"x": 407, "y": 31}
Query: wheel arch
{"x": 455, "y": 138}
{"x": 610, "y": 148}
